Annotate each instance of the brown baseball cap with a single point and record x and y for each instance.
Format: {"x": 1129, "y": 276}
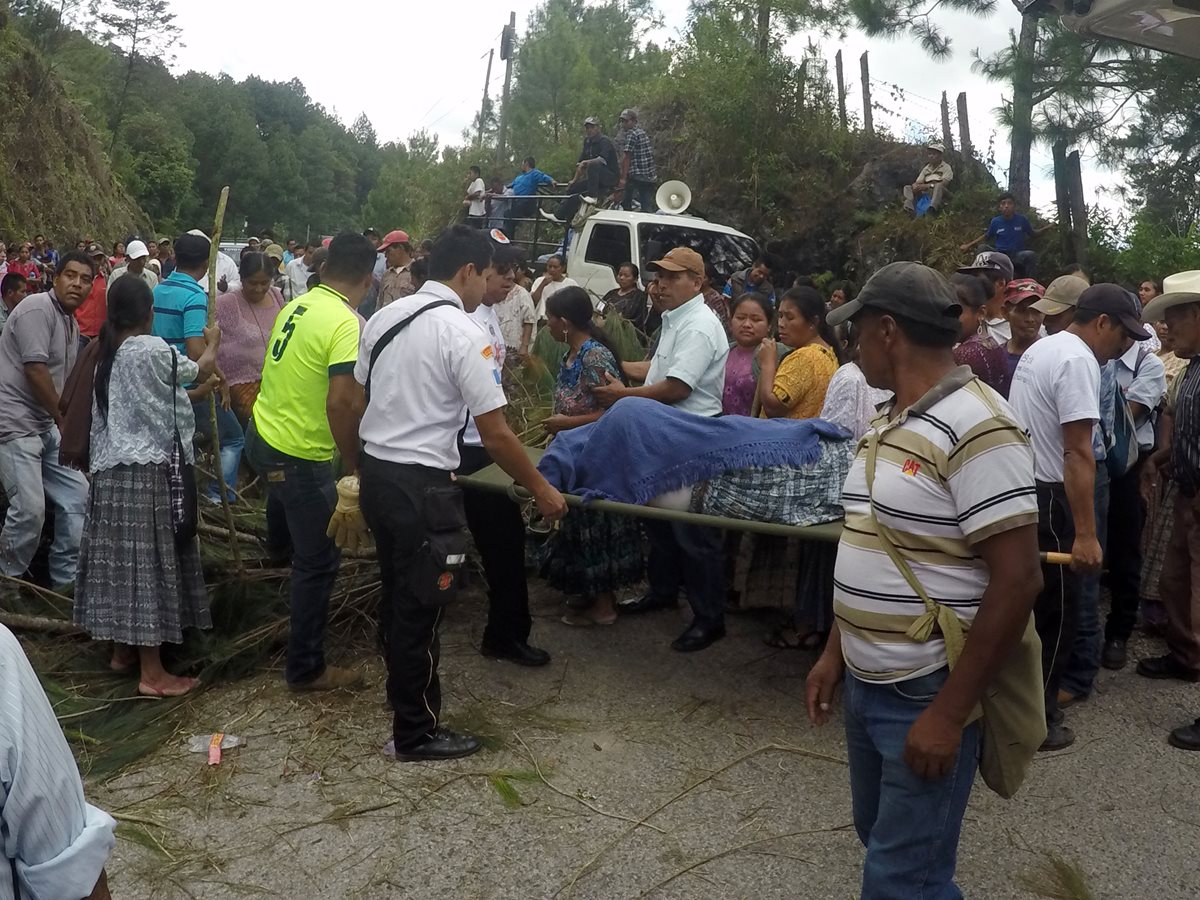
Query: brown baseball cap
{"x": 681, "y": 259}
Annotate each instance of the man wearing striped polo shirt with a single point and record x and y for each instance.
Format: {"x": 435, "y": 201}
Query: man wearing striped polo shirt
{"x": 946, "y": 476}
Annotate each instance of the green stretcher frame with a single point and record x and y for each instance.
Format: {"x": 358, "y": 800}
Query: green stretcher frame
{"x": 495, "y": 479}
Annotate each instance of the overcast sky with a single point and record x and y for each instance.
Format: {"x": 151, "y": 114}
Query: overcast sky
{"x": 418, "y": 65}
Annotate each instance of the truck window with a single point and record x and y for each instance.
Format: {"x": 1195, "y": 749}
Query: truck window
{"x": 609, "y": 245}
{"x": 727, "y": 253}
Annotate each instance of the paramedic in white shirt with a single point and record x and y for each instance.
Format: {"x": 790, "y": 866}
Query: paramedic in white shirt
{"x": 227, "y": 269}
{"x": 411, "y": 446}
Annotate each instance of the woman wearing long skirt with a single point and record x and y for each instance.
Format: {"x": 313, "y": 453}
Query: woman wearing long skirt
{"x": 137, "y": 586}
{"x": 594, "y": 554}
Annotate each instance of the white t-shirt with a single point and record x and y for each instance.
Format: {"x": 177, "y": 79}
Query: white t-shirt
{"x": 227, "y": 269}
{"x": 1057, "y": 381}
{"x": 490, "y": 322}
{"x": 551, "y": 289}
{"x": 426, "y": 380}
{"x": 477, "y": 207}
{"x": 515, "y": 312}
{"x": 297, "y": 278}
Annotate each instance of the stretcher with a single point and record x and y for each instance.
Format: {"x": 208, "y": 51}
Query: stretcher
{"x": 493, "y": 478}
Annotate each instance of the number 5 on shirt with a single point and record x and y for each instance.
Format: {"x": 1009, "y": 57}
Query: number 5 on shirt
{"x": 288, "y": 328}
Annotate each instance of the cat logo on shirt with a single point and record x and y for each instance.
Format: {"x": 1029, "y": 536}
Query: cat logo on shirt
{"x": 911, "y": 467}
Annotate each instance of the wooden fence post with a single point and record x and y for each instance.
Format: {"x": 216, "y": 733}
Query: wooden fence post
{"x": 841, "y": 89}
{"x": 947, "y": 136}
{"x": 1079, "y": 219}
{"x": 964, "y": 127}
{"x": 868, "y": 121}
{"x": 1062, "y": 200}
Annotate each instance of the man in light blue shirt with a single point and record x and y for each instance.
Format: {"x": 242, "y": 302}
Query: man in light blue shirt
{"x": 687, "y": 372}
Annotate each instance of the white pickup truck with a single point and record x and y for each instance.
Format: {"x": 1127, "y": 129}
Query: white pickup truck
{"x": 611, "y": 237}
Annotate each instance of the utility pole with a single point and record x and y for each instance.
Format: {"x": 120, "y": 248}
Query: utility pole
{"x": 964, "y": 128}
{"x": 483, "y": 107}
{"x": 841, "y": 89}
{"x": 947, "y": 135}
{"x": 508, "y": 42}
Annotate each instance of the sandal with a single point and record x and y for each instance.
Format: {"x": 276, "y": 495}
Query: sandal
{"x": 584, "y": 619}
{"x": 785, "y": 637}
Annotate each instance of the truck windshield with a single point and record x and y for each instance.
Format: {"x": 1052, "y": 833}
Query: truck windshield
{"x": 726, "y": 253}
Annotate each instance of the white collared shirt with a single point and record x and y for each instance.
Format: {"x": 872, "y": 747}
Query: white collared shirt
{"x": 426, "y": 380}
{"x": 56, "y": 844}
{"x": 1143, "y": 382}
{"x": 692, "y": 348}
{"x": 489, "y": 321}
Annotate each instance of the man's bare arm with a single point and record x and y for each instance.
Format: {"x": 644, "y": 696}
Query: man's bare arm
{"x": 344, "y": 408}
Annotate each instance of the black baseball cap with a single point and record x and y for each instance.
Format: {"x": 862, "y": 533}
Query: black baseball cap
{"x": 1116, "y": 303}
{"x": 910, "y": 290}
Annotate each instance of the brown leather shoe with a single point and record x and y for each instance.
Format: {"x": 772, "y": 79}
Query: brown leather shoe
{"x": 1066, "y": 698}
{"x": 332, "y": 679}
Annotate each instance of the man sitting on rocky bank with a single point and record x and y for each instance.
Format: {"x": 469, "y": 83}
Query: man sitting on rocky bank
{"x": 932, "y": 180}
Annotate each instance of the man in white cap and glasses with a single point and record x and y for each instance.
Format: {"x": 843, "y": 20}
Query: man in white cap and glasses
{"x": 137, "y": 254}
{"x": 1179, "y": 585}
{"x": 932, "y": 180}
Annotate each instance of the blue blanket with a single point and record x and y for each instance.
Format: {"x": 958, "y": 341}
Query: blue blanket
{"x": 642, "y": 448}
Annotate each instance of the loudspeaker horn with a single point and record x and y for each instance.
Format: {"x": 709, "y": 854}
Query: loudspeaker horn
{"x": 673, "y": 197}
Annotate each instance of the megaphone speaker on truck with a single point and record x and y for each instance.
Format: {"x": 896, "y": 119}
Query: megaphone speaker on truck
{"x": 673, "y": 198}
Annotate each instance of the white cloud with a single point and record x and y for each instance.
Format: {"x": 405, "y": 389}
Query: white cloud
{"x": 411, "y": 65}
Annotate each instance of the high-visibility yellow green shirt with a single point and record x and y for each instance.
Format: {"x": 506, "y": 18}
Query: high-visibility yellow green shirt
{"x": 315, "y": 338}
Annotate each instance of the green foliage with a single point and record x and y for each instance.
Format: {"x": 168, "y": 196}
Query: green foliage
{"x": 1128, "y": 250}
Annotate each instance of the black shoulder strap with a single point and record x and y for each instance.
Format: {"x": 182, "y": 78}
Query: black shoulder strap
{"x": 388, "y": 336}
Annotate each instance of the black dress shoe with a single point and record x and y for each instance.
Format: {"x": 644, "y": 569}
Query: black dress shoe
{"x": 1115, "y": 655}
{"x": 1186, "y": 737}
{"x": 517, "y": 652}
{"x": 644, "y": 603}
{"x": 442, "y": 744}
{"x": 697, "y": 637}
{"x": 1058, "y": 737}
{"x": 1166, "y": 667}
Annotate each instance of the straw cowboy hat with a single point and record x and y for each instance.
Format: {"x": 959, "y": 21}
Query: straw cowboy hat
{"x": 1178, "y": 290}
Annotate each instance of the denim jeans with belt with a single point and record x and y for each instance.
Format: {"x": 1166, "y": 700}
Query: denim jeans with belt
{"x": 301, "y": 493}
{"x": 909, "y": 826}
{"x": 31, "y": 475}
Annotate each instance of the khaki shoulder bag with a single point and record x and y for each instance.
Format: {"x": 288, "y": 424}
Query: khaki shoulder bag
{"x": 1013, "y": 708}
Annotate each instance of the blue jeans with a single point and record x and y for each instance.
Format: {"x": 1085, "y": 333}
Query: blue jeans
{"x": 909, "y": 826}
{"x": 232, "y": 440}
{"x": 301, "y": 495}
{"x": 31, "y": 475}
{"x": 1084, "y": 661}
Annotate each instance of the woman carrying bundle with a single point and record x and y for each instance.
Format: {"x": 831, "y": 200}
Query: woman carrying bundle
{"x": 138, "y": 586}
{"x": 594, "y": 554}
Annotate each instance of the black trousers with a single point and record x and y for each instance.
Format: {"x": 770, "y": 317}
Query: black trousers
{"x": 692, "y": 556}
{"x": 597, "y": 182}
{"x": 1126, "y": 520}
{"x": 391, "y": 500}
{"x": 499, "y": 533}
{"x": 1057, "y": 607}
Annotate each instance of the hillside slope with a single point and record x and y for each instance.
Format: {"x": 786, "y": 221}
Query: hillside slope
{"x": 54, "y": 176}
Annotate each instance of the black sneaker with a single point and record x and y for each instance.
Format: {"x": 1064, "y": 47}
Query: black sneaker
{"x": 1058, "y": 737}
{"x": 1186, "y": 737}
{"x": 517, "y": 652}
{"x": 1166, "y": 667}
{"x": 1115, "y": 655}
{"x": 441, "y": 744}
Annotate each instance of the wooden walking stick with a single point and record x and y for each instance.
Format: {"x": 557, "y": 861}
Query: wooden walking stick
{"x": 213, "y": 250}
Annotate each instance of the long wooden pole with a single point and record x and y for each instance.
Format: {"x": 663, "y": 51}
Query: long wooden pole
{"x": 841, "y": 90}
{"x": 868, "y": 114}
{"x": 213, "y": 250}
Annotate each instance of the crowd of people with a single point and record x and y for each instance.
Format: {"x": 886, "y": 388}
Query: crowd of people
{"x": 994, "y": 418}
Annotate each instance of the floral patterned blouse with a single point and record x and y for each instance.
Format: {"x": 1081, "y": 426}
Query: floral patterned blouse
{"x": 573, "y": 394}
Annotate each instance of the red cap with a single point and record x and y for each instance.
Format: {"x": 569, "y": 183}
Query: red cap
{"x": 394, "y": 237}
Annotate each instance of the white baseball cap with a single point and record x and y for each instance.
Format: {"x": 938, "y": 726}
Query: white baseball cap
{"x": 136, "y": 250}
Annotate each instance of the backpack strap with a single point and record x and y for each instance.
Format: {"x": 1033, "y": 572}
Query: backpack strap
{"x": 388, "y": 336}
